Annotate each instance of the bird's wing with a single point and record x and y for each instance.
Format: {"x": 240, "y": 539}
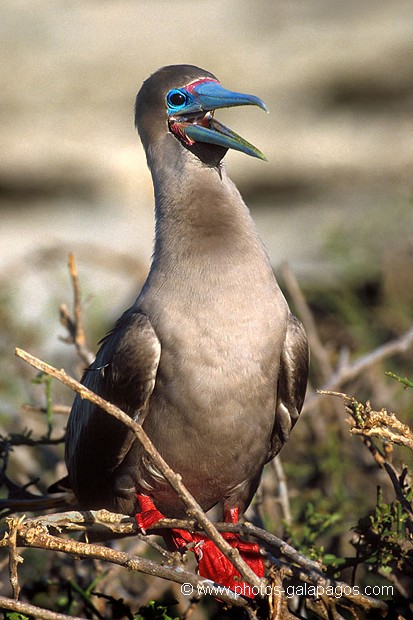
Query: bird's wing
{"x": 292, "y": 383}
{"x": 123, "y": 373}
{"x": 128, "y": 362}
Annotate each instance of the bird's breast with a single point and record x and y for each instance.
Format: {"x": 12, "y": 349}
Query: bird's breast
{"x": 220, "y": 343}
{"x": 221, "y": 325}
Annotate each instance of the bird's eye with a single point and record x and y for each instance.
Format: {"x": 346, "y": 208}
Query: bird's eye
{"x": 175, "y": 98}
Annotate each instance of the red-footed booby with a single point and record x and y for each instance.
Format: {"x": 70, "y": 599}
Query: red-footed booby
{"x": 209, "y": 358}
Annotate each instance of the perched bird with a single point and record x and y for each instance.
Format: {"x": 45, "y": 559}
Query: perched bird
{"x": 209, "y": 358}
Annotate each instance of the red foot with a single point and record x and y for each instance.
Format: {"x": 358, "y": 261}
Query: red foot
{"x": 148, "y": 515}
{"x": 212, "y": 563}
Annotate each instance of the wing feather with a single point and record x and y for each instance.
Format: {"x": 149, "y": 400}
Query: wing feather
{"x": 292, "y": 383}
{"x": 124, "y": 372}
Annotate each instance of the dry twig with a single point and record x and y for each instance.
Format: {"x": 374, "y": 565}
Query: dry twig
{"x": 74, "y": 324}
{"x": 34, "y": 532}
{"x": 385, "y": 426}
{"x": 318, "y": 350}
{"x": 380, "y": 424}
{"x": 34, "y": 611}
{"x": 347, "y": 372}
{"x": 59, "y": 409}
{"x": 283, "y": 498}
{"x": 14, "y": 558}
{"x": 194, "y": 510}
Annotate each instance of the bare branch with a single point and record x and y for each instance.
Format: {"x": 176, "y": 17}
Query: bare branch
{"x": 35, "y": 534}
{"x": 74, "y": 325}
{"x": 194, "y": 510}
{"x": 33, "y": 610}
{"x": 348, "y": 372}
{"x": 282, "y": 489}
{"x": 25, "y": 440}
{"x": 80, "y": 332}
{"x": 14, "y": 558}
{"x": 64, "y": 409}
{"x": 394, "y": 347}
{"x": 317, "y": 348}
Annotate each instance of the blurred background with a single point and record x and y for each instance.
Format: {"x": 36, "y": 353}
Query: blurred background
{"x": 334, "y": 199}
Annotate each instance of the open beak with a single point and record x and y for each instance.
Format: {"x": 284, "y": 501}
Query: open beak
{"x": 193, "y": 120}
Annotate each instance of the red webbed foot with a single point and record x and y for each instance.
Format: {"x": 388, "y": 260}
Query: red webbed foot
{"x": 149, "y": 515}
{"x": 214, "y": 565}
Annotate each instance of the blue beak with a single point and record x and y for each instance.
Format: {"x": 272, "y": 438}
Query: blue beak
{"x": 190, "y": 115}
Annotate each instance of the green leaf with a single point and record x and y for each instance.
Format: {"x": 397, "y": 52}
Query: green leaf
{"x": 154, "y": 611}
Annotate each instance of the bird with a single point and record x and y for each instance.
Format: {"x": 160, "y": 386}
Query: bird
{"x": 209, "y": 358}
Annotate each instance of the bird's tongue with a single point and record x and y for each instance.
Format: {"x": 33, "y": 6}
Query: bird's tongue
{"x": 216, "y": 133}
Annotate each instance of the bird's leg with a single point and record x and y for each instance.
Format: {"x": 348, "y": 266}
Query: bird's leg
{"x": 213, "y": 564}
{"x": 231, "y": 515}
{"x": 149, "y": 515}
{"x": 250, "y": 552}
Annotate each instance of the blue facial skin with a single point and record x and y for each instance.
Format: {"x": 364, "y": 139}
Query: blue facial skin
{"x": 188, "y": 110}
{"x": 206, "y": 96}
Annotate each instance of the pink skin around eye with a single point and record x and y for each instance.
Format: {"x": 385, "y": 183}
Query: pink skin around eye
{"x": 190, "y": 87}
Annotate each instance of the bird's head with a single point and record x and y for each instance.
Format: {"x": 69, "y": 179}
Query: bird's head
{"x": 180, "y": 100}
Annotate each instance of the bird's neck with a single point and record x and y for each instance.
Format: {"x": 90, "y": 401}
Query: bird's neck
{"x": 198, "y": 208}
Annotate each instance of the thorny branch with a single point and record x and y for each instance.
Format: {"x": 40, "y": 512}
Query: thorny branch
{"x": 194, "y": 510}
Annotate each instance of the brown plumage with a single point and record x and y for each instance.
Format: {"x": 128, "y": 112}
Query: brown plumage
{"x": 209, "y": 357}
